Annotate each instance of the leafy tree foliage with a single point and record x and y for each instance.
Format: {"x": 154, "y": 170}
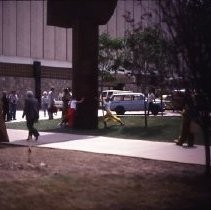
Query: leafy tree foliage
{"x": 147, "y": 52}
{"x": 189, "y": 25}
{"x": 110, "y": 55}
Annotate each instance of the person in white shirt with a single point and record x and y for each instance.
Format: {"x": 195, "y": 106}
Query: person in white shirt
{"x": 51, "y": 103}
{"x": 72, "y": 110}
{"x": 44, "y": 102}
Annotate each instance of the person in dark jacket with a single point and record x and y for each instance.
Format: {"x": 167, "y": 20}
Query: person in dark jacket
{"x": 31, "y": 111}
{"x": 13, "y": 101}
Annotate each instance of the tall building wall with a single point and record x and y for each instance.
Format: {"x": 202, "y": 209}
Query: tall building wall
{"x": 24, "y": 31}
{"x": 25, "y": 38}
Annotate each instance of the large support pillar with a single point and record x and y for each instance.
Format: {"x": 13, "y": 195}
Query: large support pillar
{"x": 84, "y": 17}
{"x": 3, "y": 130}
{"x": 85, "y": 73}
{"x": 37, "y": 79}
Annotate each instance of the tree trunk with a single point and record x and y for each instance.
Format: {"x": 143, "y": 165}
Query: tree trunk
{"x": 3, "y": 130}
{"x": 205, "y": 128}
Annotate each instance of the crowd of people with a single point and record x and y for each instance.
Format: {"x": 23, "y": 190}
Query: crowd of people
{"x": 48, "y": 98}
{"x": 31, "y": 109}
{"x": 9, "y": 105}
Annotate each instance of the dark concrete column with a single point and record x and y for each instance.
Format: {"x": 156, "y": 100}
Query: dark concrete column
{"x": 37, "y": 79}
{"x": 85, "y": 73}
{"x": 3, "y": 130}
{"x": 84, "y": 17}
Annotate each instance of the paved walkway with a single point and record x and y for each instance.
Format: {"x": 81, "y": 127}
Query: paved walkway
{"x": 108, "y": 145}
{"x": 115, "y": 146}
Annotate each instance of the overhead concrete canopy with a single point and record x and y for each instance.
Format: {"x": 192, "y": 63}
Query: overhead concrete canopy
{"x": 65, "y": 13}
{"x": 84, "y": 16}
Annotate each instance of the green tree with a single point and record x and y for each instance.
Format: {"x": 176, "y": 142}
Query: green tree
{"x": 189, "y": 25}
{"x": 147, "y": 53}
{"x": 110, "y": 56}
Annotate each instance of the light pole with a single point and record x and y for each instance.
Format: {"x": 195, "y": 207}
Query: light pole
{"x": 145, "y": 105}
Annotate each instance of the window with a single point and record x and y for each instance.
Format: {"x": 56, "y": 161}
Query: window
{"x": 127, "y": 98}
{"x": 136, "y": 98}
{"x": 117, "y": 98}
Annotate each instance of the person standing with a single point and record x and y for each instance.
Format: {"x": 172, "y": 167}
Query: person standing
{"x": 66, "y": 97}
{"x": 151, "y": 99}
{"x": 51, "y": 103}
{"x": 72, "y": 111}
{"x": 13, "y": 100}
{"x": 31, "y": 111}
{"x": 44, "y": 102}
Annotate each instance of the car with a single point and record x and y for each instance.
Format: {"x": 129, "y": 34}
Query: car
{"x": 59, "y": 104}
{"x": 168, "y": 101}
{"x": 120, "y": 70}
{"x": 108, "y": 94}
{"x": 122, "y": 102}
{"x": 124, "y": 71}
{"x": 175, "y": 100}
{"x": 178, "y": 99}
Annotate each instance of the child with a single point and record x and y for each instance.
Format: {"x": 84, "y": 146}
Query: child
{"x": 109, "y": 116}
{"x": 70, "y": 115}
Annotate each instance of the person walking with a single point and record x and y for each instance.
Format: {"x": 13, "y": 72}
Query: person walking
{"x": 31, "y": 111}
{"x": 189, "y": 114}
{"x": 109, "y": 116}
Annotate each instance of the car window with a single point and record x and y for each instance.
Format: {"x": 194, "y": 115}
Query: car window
{"x": 141, "y": 97}
{"x": 127, "y": 98}
{"x": 110, "y": 94}
{"x": 104, "y": 94}
{"x": 117, "y": 98}
{"x": 136, "y": 98}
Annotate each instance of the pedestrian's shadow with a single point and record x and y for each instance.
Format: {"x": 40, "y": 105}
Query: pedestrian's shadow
{"x": 49, "y": 138}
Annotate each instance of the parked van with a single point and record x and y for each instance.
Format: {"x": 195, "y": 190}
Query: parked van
{"x": 122, "y": 102}
{"x": 109, "y": 93}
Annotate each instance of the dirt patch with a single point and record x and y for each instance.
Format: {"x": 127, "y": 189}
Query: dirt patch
{"x": 82, "y": 180}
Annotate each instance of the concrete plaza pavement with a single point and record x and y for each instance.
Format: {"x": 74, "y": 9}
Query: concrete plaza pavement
{"x": 114, "y": 146}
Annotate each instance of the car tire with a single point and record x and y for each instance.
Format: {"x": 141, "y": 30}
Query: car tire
{"x": 155, "y": 109}
{"x": 120, "y": 110}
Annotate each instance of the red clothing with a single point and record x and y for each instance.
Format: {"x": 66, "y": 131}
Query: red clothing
{"x": 70, "y": 116}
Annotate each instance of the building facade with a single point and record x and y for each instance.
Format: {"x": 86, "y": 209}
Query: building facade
{"x": 26, "y": 38}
